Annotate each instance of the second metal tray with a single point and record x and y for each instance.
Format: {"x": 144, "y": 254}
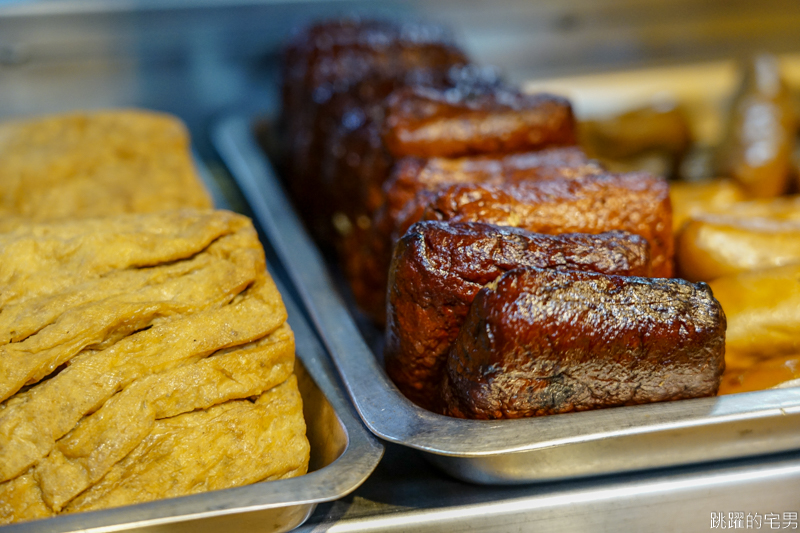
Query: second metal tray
{"x": 343, "y": 455}
{"x": 505, "y": 451}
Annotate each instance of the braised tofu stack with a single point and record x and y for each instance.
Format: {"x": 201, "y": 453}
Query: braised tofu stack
{"x": 433, "y": 178}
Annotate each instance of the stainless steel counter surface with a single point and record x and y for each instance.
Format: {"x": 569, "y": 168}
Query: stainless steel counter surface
{"x": 407, "y": 494}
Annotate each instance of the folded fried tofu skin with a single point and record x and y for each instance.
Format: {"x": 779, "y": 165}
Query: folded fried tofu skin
{"x": 217, "y": 448}
{"x": 438, "y": 268}
{"x": 153, "y": 329}
{"x": 94, "y": 164}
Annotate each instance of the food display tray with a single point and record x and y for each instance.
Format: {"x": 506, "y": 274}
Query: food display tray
{"x": 615, "y": 440}
{"x": 343, "y": 455}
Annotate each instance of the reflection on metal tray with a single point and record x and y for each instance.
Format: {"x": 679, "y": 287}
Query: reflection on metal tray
{"x": 505, "y": 451}
{"x": 343, "y": 455}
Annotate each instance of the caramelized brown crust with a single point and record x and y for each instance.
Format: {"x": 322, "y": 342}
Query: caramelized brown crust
{"x": 458, "y": 121}
{"x": 334, "y": 75}
{"x": 355, "y": 162}
{"x": 438, "y": 268}
{"x": 636, "y": 202}
{"x": 412, "y": 175}
{"x": 545, "y": 342}
{"x": 333, "y": 56}
{"x": 368, "y": 252}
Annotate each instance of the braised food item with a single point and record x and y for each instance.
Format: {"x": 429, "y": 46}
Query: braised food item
{"x": 779, "y": 208}
{"x": 92, "y": 164}
{"x": 452, "y": 122}
{"x": 654, "y": 137}
{"x": 717, "y": 245}
{"x": 368, "y": 254}
{"x": 692, "y": 199}
{"x": 635, "y": 202}
{"x": 760, "y": 134}
{"x": 356, "y": 161}
{"x": 439, "y": 267}
{"x": 336, "y": 76}
{"x": 653, "y": 128}
{"x": 539, "y": 342}
{"x": 335, "y": 56}
{"x": 113, "y": 329}
{"x": 413, "y": 175}
{"x": 763, "y": 310}
{"x": 777, "y": 372}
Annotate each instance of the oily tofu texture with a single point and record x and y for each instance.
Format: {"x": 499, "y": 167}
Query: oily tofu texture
{"x": 95, "y": 164}
{"x": 540, "y": 342}
{"x": 106, "y": 436}
{"x": 214, "y": 449}
{"x": 138, "y": 324}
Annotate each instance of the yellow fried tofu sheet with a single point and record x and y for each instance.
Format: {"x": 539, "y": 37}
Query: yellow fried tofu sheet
{"x": 93, "y": 164}
{"x": 142, "y": 356}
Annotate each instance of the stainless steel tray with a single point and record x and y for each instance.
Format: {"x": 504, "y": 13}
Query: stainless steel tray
{"x": 343, "y": 455}
{"x": 556, "y": 447}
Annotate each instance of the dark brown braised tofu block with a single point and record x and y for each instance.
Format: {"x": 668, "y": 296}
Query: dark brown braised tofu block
{"x": 356, "y": 162}
{"x": 541, "y": 342}
{"x": 473, "y": 114}
{"x": 357, "y": 57}
{"x": 458, "y": 121}
{"x": 412, "y": 175}
{"x": 438, "y": 268}
{"x": 636, "y": 202}
{"x": 335, "y": 70}
{"x": 367, "y": 259}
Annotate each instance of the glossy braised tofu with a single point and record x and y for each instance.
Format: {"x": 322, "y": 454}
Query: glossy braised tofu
{"x": 439, "y": 267}
{"x": 459, "y": 121}
{"x": 336, "y": 76}
{"x": 636, "y": 202}
{"x": 368, "y": 254}
{"x": 539, "y": 342}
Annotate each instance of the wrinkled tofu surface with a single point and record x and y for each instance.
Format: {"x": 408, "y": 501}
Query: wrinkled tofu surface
{"x": 141, "y": 356}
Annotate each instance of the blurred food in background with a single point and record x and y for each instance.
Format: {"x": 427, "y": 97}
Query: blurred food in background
{"x": 776, "y": 372}
{"x": 690, "y": 199}
{"x": 654, "y": 138}
{"x": 736, "y": 215}
{"x": 760, "y": 134}
{"x": 717, "y": 245}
